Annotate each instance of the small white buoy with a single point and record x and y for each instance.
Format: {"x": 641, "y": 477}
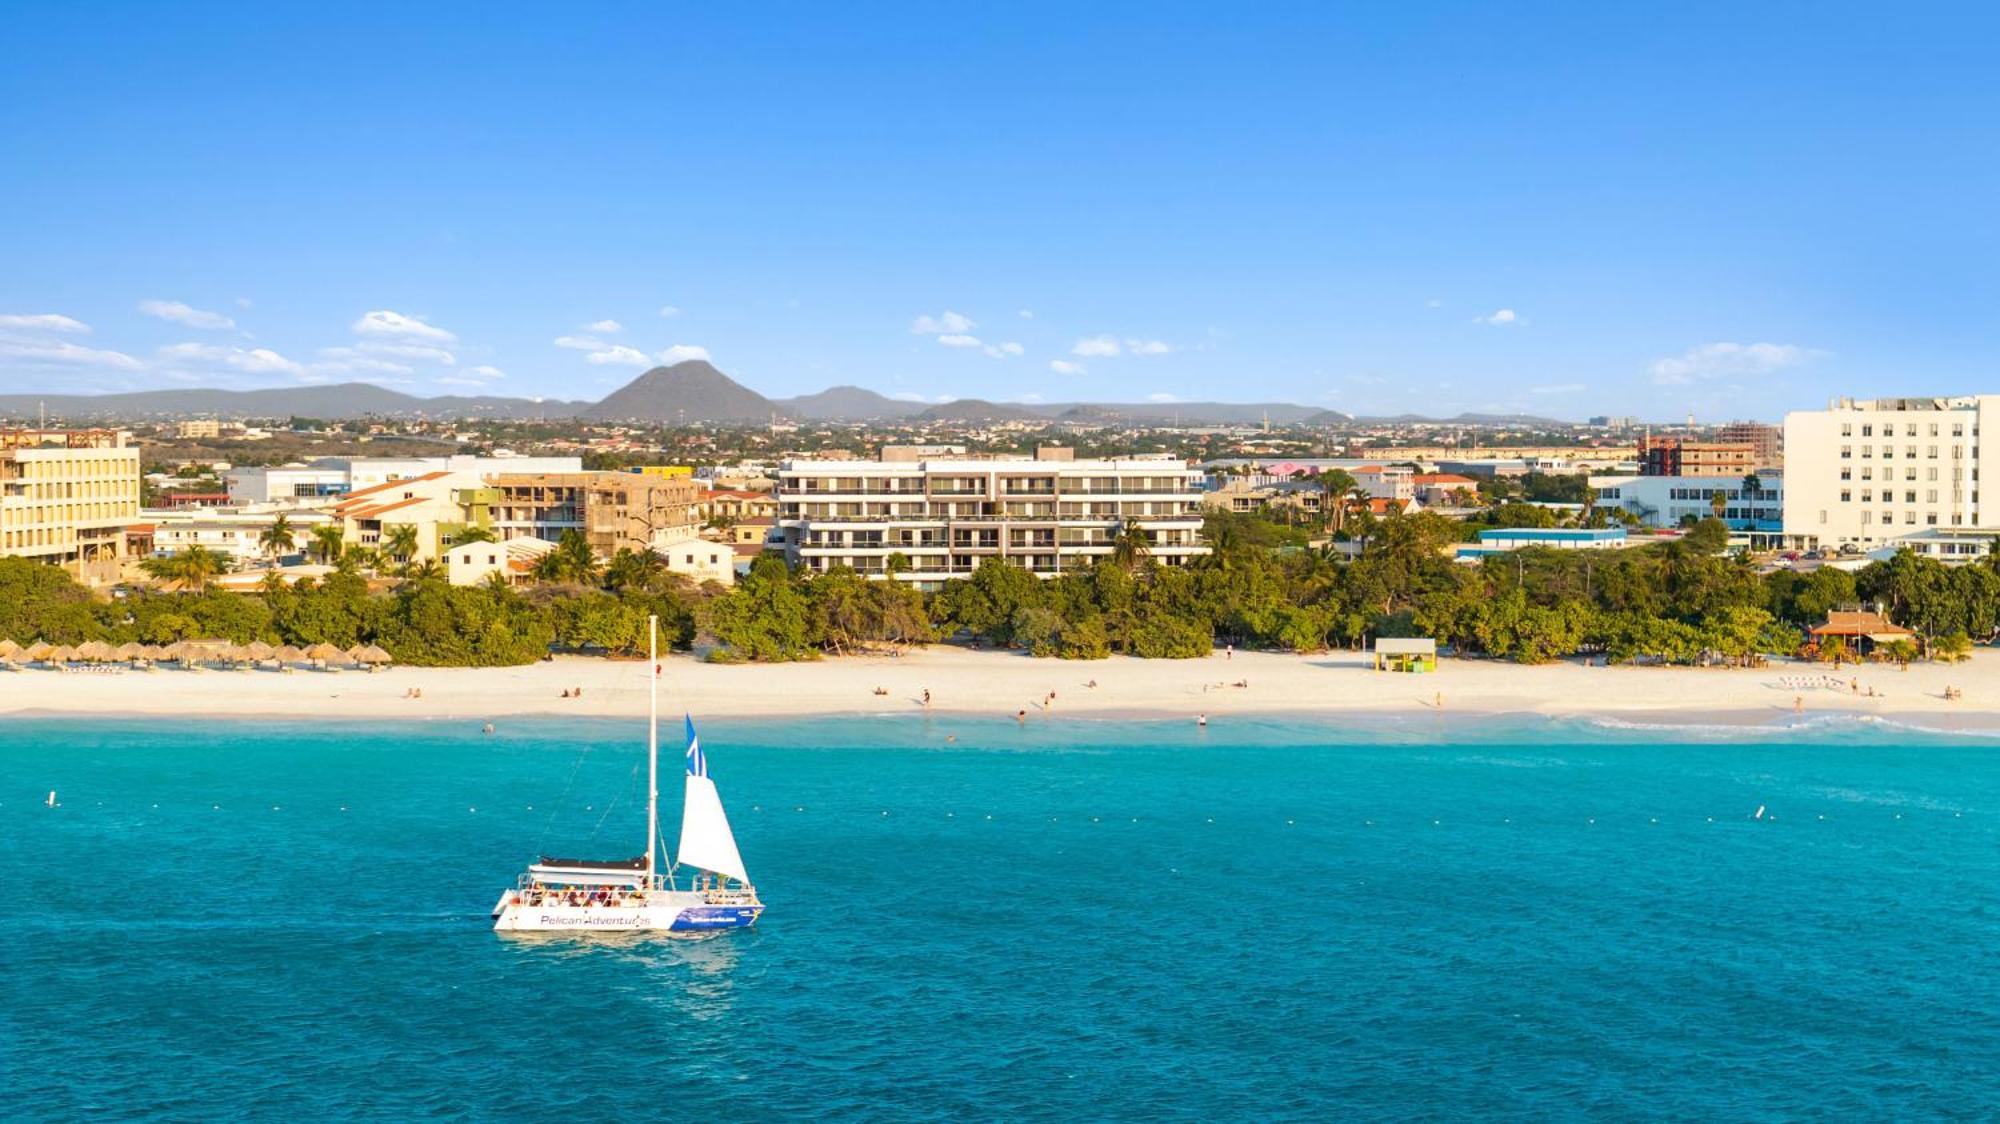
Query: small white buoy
{"x": 472, "y": 809}
{"x": 1760, "y": 813}
{"x": 51, "y": 802}
{"x": 1592, "y": 819}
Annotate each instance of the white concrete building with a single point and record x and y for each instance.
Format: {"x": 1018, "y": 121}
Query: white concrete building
{"x": 697, "y": 559}
{"x": 475, "y": 563}
{"x": 1048, "y": 513}
{"x": 1668, "y": 501}
{"x": 330, "y": 478}
{"x": 236, "y": 532}
{"x": 1863, "y": 473}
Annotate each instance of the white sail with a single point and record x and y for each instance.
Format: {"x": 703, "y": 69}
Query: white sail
{"x": 706, "y": 841}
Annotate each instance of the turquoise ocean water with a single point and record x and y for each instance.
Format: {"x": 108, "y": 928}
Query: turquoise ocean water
{"x": 1500, "y": 918}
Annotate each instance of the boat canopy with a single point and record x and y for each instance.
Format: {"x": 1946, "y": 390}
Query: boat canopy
{"x": 589, "y": 872}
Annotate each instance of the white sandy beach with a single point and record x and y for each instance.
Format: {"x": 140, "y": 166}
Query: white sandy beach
{"x": 1000, "y": 684}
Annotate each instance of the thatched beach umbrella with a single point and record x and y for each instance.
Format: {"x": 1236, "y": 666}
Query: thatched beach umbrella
{"x": 180, "y": 651}
{"x": 288, "y": 654}
{"x": 324, "y": 651}
{"x": 61, "y": 653}
{"x": 258, "y": 650}
{"x": 152, "y": 652}
{"x": 375, "y": 654}
{"x": 9, "y": 649}
{"x": 130, "y": 650}
{"x": 96, "y": 651}
{"x": 39, "y": 651}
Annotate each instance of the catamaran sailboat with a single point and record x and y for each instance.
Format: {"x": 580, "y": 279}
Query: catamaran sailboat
{"x": 624, "y": 895}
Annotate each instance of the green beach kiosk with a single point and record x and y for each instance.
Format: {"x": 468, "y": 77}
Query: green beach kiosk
{"x": 1406, "y": 654}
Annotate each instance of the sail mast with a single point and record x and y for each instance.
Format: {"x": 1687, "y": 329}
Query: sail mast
{"x": 652, "y": 744}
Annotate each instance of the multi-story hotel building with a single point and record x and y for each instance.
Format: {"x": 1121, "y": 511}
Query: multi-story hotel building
{"x": 1766, "y": 441}
{"x": 1048, "y": 514}
{"x": 613, "y": 510}
{"x": 1684, "y": 456}
{"x": 66, "y": 496}
{"x": 1864, "y": 473}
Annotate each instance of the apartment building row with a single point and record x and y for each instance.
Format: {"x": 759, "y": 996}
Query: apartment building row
{"x": 946, "y": 514}
{"x": 612, "y": 510}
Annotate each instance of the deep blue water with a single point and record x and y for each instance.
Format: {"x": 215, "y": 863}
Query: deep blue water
{"x": 1516, "y": 918}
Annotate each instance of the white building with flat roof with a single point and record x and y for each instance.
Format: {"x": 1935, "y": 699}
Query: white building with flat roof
{"x": 1048, "y": 514}
{"x": 1862, "y": 473}
{"x": 1670, "y": 501}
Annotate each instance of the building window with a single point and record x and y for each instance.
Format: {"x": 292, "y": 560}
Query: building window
{"x": 1844, "y": 495}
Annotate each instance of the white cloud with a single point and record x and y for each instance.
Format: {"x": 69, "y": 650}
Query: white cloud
{"x": 42, "y": 322}
{"x": 66, "y": 353}
{"x": 460, "y": 380}
{"x": 411, "y": 351}
{"x": 604, "y": 326}
{"x": 179, "y": 313}
{"x": 581, "y": 343}
{"x": 669, "y": 311}
{"x": 1433, "y": 303}
{"x": 1065, "y": 367}
{"x": 620, "y": 354}
{"x": 1004, "y": 350}
{"x": 1097, "y": 347}
{"x": 251, "y": 360}
{"x": 1499, "y": 318}
{"x": 958, "y": 340}
{"x": 1722, "y": 359}
{"x": 1553, "y": 388}
{"x": 682, "y": 353}
{"x": 951, "y": 323}
{"x": 1163, "y": 397}
{"x": 485, "y": 371}
{"x": 1148, "y": 347}
{"x": 243, "y": 302}
{"x": 385, "y": 323}
{"x": 1031, "y": 398}
{"x": 1026, "y": 314}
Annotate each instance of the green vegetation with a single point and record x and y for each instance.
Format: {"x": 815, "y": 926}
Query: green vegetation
{"x": 1683, "y": 601}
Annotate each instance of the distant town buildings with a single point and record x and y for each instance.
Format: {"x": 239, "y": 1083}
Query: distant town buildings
{"x": 946, "y": 515}
{"x": 66, "y": 496}
{"x": 1766, "y": 441}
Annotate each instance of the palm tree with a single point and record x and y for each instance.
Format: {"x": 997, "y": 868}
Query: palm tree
{"x": 278, "y": 537}
{"x": 1131, "y": 545}
{"x": 400, "y": 542}
{"x": 326, "y": 542}
{"x": 427, "y": 570}
{"x": 634, "y": 569}
{"x": 1334, "y": 486}
{"x": 473, "y": 534}
{"x": 191, "y": 568}
{"x": 570, "y": 561}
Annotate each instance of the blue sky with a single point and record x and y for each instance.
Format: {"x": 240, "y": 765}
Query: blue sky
{"x": 1568, "y": 209}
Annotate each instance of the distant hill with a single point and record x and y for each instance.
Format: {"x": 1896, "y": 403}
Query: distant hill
{"x": 334, "y": 400}
{"x": 1185, "y": 413}
{"x": 979, "y": 410}
{"x": 693, "y": 391}
{"x": 846, "y": 403}
{"x": 1457, "y": 419}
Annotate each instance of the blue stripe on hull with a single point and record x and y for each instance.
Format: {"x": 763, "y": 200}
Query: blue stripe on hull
{"x": 715, "y": 917}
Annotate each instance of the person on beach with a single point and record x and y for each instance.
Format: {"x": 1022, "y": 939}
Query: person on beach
{"x": 1021, "y": 716}
{"x": 1201, "y": 720}
{"x": 1798, "y": 704}
{"x": 1228, "y": 652}
{"x": 1440, "y": 700}
{"x": 927, "y": 698}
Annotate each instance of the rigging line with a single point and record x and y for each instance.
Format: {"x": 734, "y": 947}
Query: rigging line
{"x": 630, "y": 784}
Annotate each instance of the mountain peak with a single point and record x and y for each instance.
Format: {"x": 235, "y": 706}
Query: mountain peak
{"x": 691, "y": 390}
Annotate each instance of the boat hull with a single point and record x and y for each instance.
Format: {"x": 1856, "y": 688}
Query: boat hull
{"x": 669, "y": 916}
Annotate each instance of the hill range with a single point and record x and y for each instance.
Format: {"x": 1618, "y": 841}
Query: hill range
{"x": 688, "y": 393}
